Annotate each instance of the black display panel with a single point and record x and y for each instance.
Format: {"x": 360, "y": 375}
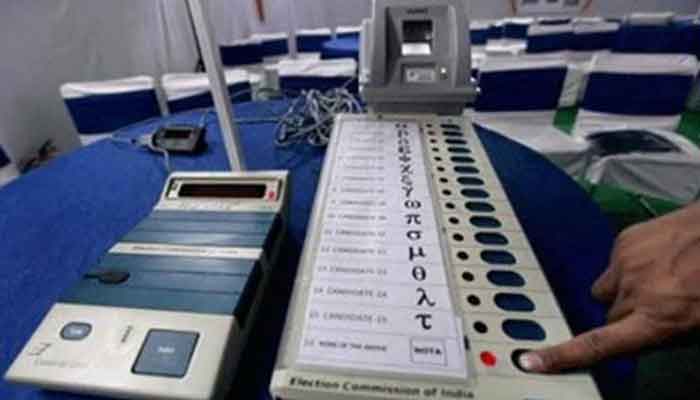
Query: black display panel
{"x": 230, "y": 191}
{"x": 177, "y": 133}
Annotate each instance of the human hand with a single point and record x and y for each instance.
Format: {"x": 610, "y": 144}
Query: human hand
{"x": 653, "y": 284}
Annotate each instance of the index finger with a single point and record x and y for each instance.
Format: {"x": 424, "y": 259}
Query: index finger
{"x": 624, "y": 336}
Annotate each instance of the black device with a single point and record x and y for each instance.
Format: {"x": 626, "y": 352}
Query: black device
{"x": 180, "y": 139}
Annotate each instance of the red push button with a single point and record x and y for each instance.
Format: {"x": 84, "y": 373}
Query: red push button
{"x": 488, "y": 358}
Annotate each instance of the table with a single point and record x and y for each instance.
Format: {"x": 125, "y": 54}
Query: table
{"x": 57, "y": 221}
{"x": 348, "y": 47}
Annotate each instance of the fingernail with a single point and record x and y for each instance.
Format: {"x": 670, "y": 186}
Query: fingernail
{"x": 531, "y": 362}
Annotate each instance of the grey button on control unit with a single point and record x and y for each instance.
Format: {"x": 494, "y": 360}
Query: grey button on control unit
{"x": 166, "y": 353}
{"x": 76, "y": 331}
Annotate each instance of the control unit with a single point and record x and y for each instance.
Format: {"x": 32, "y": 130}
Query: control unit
{"x": 166, "y": 312}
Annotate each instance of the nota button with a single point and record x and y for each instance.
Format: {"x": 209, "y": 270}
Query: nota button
{"x": 76, "y": 331}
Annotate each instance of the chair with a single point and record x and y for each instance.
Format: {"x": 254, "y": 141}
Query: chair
{"x": 662, "y": 18}
{"x": 688, "y": 37}
{"x": 587, "y": 40}
{"x": 593, "y": 37}
{"x": 99, "y": 108}
{"x": 245, "y": 54}
{"x": 553, "y": 20}
{"x": 8, "y": 170}
{"x": 557, "y": 39}
{"x": 304, "y": 74}
{"x": 549, "y": 38}
{"x": 348, "y": 32}
{"x": 274, "y": 45}
{"x": 655, "y": 163}
{"x": 635, "y": 91}
{"x": 516, "y": 28}
{"x": 479, "y": 31}
{"x": 310, "y": 42}
{"x": 479, "y": 37}
{"x": 519, "y": 98}
{"x": 648, "y": 33}
{"x": 190, "y": 91}
{"x": 589, "y": 20}
{"x": 495, "y": 29}
{"x": 690, "y": 44}
{"x": 499, "y": 44}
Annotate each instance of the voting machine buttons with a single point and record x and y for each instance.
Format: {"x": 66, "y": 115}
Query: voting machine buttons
{"x": 76, "y": 331}
{"x": 166, "y": 353}
{"x": 515, "y": 359}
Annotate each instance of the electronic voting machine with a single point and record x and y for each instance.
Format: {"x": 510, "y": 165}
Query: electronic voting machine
{"x": 166, "y": 312}
{"x": 416, "y": 280}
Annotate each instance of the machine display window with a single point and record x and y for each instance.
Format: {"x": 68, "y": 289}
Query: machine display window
{"x": 249, "y": 191}
{"x": 175, "y": 133}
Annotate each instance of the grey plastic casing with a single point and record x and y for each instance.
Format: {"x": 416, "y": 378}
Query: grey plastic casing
{"x": 384, "y": 73}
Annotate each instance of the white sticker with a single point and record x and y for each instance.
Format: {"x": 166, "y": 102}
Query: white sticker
{"x": 378, "y": 298}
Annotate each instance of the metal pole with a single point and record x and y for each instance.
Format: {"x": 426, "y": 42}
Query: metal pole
{"x": 199, "y": 67}
{"x": 292, "y": 27}
{"x": 217, "y": 83}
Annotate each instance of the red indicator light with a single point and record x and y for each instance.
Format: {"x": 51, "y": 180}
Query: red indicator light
{"x": 488, "y": 358}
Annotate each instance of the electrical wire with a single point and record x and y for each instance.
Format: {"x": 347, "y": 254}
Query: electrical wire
{"x": 147, "y": 142}
{"x": 166, "y": 155}
{"x": 311, "y": 116}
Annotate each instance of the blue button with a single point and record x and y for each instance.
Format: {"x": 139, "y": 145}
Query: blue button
{"x": 166, "y": 353}
{"x": 76, "y": 331}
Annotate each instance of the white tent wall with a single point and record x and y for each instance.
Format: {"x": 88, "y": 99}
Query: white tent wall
{"x": 618, "y": 8}
{"x": 45, "y": 43}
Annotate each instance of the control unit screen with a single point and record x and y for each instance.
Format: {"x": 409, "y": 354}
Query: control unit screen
{"x": 237, "y": 191}
{"x": 177, "y": 133}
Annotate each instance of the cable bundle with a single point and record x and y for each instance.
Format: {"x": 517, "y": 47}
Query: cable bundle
{"x": 310, "y": 117}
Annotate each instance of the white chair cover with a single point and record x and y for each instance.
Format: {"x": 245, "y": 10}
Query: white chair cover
{"x": 248, "y": 54}
{"x": 187, "y": 91}
{"x": 505, "y": 47}
{"x": 549, "y": 38}
{"x": 479, "y": 37}
{"x": 73, "y": 90}
{"x": 650, "y": 18}
{"x": 339, "y": 67}
{"x": 8, "y": 170}
{"x": 316, "y": 74}
{"x": 275, "y": 45}
{"x": 519, "y": 98}
{"x": 636, "y": 91}
{"x": 347, "y": 31}
{"x": 97, "y": 108}
{"x": 310, "y": 41}
{"x": 592, "y": 37}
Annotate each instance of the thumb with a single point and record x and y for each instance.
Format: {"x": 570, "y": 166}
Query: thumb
{"x": 627, "y": 335}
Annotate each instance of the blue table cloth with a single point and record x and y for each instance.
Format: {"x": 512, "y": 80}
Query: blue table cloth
{"x": 58, "y": 221}
{"x": 347, "y": 47}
